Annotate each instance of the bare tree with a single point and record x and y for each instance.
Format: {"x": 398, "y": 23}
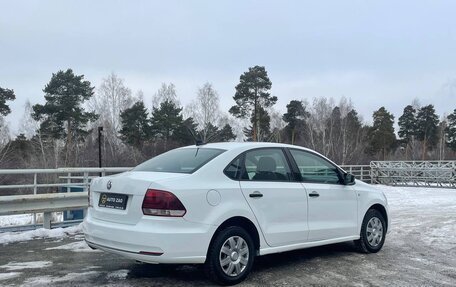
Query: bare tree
{"x": 205, "y": 110}
{"x": 28, "y": 125}
{"x": 277, "y": 125}
{"x": 5, "y": 138}
{"x": 320, "y": 112}
{"x": 112, "y": 97}
{"x": 167, "y": 92}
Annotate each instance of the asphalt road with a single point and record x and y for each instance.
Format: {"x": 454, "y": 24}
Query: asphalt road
{"x": 417, "y": 252}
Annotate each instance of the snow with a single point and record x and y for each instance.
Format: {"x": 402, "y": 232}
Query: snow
{"x": 436, "y": 219}
{"x": 78, "y": 246}
{"x": 25, "y": 219}
{"x": 10, "y": 275}
{"x": 20, "y": 219}
{"x": 12, "y": 266}
{"x": 119, "y": 274}
{"x": 70, "y": 277}
{"x": 57, "y": 233}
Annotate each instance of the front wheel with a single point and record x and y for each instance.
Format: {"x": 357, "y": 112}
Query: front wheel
{"x": 230, "y": 256}
{"x": 373, "y": 232}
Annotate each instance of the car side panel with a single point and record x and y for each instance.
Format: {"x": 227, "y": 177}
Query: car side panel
{"x": 368, "y": 196}
{"x": 212, "y": 200}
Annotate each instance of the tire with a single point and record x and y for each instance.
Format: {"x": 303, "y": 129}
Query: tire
{"x": 373, "y": 232}
{"x": 238, "y": 252}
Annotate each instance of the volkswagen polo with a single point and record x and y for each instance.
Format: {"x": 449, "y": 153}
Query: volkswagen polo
{"x": 223, "y": 204}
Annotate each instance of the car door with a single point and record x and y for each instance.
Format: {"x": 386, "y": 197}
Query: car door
{"x": 278, "y": 201}
{"x": 332, "y": 206}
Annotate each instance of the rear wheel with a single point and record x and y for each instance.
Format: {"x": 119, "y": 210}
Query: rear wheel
{"x": 373, "y": 232}
{"x": 230, "y": 256}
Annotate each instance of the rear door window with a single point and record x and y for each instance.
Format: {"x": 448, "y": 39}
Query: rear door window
{"x": 266, "y": 164}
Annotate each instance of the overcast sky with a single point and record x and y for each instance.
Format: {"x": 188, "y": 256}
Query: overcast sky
{"x": 378, "y": 53}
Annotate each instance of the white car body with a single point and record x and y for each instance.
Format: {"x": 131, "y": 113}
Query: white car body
{"x": 285, "y": 218}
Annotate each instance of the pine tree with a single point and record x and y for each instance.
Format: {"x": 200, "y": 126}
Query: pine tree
{"x": 408, "y": 127}
{"x": 252, "y": 95}
{"x": 427, "y": 129}
{"x": 263, "y": 123}
{"x": 185, "y": 133}
{"x": 353, "y": 137}
{"x": 450, "y": 131}
{"x": 135, "y": 125}
{"x": 6, "y": 95}
{"x": 295, "y": 117}
{"x": 63, "y": 114}
{"x": 226, "y": 134}
{"x": 407, "y": 123}
{"x": 219, "y": 135}
{"x": 381, "y": 135}
{"x": 166, "y": 120}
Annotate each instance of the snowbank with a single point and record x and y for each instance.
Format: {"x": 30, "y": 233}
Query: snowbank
{"x": 10, "y": 237}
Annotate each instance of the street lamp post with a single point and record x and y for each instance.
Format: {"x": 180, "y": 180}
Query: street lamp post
{"x": 100, "y": 129}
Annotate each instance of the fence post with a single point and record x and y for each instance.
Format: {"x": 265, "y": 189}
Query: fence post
{"x": 47, "y": 220}
{"x": 362, "y": 173}
{"x": 68, "y": 189}
{"x": 371, "y": 172}
{"x": 35, "y": 190}
{"x": 86, "y": 188}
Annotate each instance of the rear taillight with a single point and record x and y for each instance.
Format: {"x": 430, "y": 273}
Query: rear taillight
{"x": 162, "y": 203}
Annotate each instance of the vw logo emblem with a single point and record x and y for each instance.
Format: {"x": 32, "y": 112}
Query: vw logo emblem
{"x": 109, "y": 185}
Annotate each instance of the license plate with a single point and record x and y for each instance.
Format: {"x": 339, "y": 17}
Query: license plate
{"x": 113, "y": 200}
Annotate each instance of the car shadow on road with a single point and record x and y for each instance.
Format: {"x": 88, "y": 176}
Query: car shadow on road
{"x": 193, "y": 274}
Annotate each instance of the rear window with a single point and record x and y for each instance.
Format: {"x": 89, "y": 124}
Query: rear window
{"x": 186, "y": 160}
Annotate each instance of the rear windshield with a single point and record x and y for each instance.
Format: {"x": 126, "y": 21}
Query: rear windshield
{"x": 186, "y": 160}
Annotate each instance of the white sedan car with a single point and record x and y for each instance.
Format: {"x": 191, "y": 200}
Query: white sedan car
{"x": 222, "y": 204}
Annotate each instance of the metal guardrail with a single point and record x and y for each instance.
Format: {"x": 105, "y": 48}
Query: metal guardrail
{"x": 361, "y": 172}
{"x": 43, "y": 197}
{"x": 414, "y": 173}
{"x": 45, "y": 203}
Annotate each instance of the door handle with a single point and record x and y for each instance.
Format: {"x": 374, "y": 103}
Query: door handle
{"x": 256, "y": 194}
{"x": 314, "y": 194}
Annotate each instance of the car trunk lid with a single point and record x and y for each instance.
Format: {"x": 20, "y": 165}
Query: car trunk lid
{"x": 129, "y": 186}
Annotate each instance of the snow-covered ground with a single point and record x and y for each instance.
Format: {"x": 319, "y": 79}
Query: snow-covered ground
{"x": 420, "y": 250}
{"x": 56, "y": 233}
{"x": 429, "y": 211}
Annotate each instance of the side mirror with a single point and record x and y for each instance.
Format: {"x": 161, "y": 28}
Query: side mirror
{"x": 349, "y": 179}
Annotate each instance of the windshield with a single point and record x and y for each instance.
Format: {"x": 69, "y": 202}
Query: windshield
{"x": 186, "y": 160}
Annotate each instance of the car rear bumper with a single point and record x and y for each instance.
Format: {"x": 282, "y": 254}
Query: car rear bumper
{"x": 151, "y": 240}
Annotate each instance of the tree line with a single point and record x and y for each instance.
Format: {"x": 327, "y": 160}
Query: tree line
{"x": 64, "y": 130}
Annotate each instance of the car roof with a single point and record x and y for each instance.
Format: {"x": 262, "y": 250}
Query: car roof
{"x": 244, "y": 145}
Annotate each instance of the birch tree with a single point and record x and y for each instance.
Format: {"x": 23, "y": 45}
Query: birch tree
{"x": 110, "y": 100}
{"x": 205, "y": 110}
